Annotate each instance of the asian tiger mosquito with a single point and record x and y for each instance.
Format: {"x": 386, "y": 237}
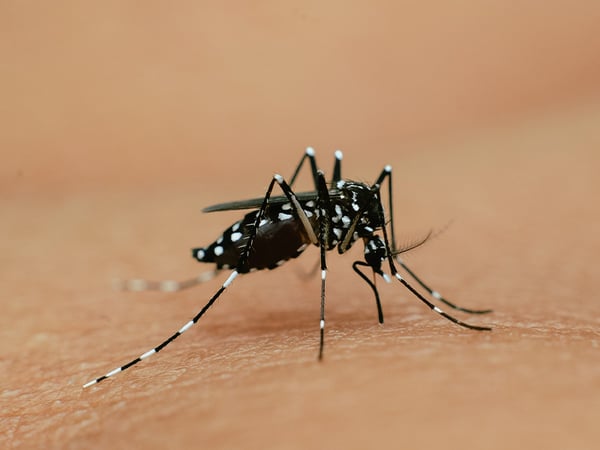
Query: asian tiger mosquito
{"x": 333, "y": 215}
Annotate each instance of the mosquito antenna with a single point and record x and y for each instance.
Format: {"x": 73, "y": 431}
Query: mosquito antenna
{"x": 413, "y": 245}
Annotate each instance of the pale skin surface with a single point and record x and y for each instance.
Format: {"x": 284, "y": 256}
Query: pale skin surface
{"x": 119, "y": 136}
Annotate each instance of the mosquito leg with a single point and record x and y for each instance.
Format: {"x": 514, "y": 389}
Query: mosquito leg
{"x": 325, "y": 233}
{"x": 174, "y": 336}
{"x": 310, "y": 154}
{"x": 323, "y": 208}
{"x": 337, "y": 167}
{"x": 395, "y": 273}
{"x": 437, "y": 295}
{"x": 371, "y": 284}
{"x": 138, "y": 285}
{"x": 438, "y": 310}
{"x": 386, "y": 173}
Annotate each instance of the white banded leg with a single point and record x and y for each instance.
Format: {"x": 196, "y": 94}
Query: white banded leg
{"x": 322, "y": 321}
{"x": 139, "y": 285}
{"x": 325, "y": 225}
{"x": 386, "y": 173}
{"x": 310, "y": 154}
{"x": 435, "y": 294}
{"x": 437, "y": 309}
{"x": 174, "y": 336}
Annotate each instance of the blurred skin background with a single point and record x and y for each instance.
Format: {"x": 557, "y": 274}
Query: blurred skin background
{"x": 120, "y": 94}
{"x": 119, "y": 121}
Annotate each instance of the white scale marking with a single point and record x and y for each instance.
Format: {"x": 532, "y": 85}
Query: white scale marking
{"x": 218, "y": 250}
{"x": 284, "y": 216}
{"x": 323, "y": 274}
{"x": 200, "y": 254}
{"x": 436, "y": 294}
{"x": 229, "y": 280}
{"x": 236, "y": 236}
{"x": 148, "y": 353}
{"x": 346, "y": 220}
{"x": 186, "y": 327}
{"x": 183, "y": 329}
{"x": 235, "y": 227}
{"x": 113, "y": 372}
{"x": 322, "y": 324}
{"x": 169, "y": 286}
{"x": 286, "y": 207}
{"x": 137, "y": 285}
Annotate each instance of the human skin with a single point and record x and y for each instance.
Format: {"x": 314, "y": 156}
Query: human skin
{"x": 108, "y": 177}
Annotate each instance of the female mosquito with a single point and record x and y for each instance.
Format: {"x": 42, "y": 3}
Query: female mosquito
{"x": 334, "y": 215}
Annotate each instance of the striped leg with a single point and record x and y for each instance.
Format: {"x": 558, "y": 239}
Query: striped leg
{"x": 139, "y": 285}
{"x": 386, "y": 173}
{"x": 166, "y": 342}
{"x": 310, "y": 154}
{"x": 325, "y": 236}
{"x": 437, "y": 295}
{"x": 395, "y": 273}
{"x": 323, "y": 209}
{"x": 435, "y": 308}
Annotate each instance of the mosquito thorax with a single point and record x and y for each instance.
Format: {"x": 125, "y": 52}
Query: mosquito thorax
{"x": 358, "y": 198}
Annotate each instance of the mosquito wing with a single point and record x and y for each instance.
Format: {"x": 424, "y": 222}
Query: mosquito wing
{"x": 255, "y": 203}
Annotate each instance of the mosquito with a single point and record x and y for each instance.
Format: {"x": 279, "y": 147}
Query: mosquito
{"x": 280, "y": 227}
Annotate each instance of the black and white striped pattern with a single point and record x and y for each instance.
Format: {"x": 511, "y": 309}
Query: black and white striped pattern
{"x": 174, "y": 336}
{"x": 139, "y": 285}
{"x": 334, "y": 215}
